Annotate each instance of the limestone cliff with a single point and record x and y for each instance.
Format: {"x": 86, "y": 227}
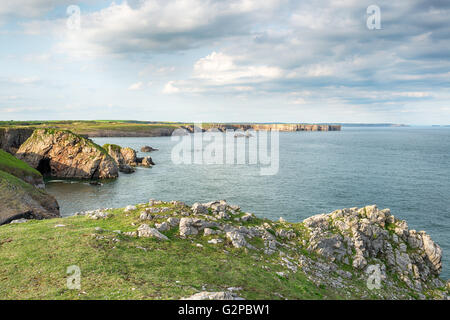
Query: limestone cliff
{"x": 269, "y": 127}
{"x": 63, "y": 154}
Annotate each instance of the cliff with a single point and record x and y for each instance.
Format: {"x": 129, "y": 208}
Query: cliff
{"x": 274, "y": 126}
{"x": 168, "y": 250}
{"x": 63, "y": 154}
{"x": 19, "y": 200}
{"x": 13, "y": 134}
{"x": 12, "y": 138}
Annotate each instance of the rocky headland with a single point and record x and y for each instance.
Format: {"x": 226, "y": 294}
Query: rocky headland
{"x": 169, "y": 250}
{"x": 63, "y": 154}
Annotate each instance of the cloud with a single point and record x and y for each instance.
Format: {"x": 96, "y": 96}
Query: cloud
{"x": 25, "y": 80}
{"x": 412, "y": 94}
{"x": 163, "y": 26}
{"x": 30, "y": 8}
{"x": 136, "y": 86}
{"x": 170, "y": 88}
{"x": 217, "y": 70}
{"x": 306, "y": 55}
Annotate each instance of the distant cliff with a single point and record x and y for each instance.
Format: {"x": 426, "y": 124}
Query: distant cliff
{"x": 271, "y": 126}
{"x": 12, "y": 138}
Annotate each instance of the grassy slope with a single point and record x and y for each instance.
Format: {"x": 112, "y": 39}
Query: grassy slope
{"x": 16, "y": 167}
{"x": 34, "y": 257}
{"x": 14, "y": 182}
{"x": 17, "y": 196}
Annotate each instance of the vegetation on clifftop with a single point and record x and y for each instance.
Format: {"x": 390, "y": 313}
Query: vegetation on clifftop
{"x": 18, "y": 168}
{"x": 115, "y": 263}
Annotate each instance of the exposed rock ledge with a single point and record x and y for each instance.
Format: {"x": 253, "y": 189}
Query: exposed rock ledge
{"x": 63, "y": 154}
{"x": 341, "y": 251}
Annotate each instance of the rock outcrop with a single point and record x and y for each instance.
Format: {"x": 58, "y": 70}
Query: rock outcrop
{"x": 356, "y": 253}
{"x": 369, "y": 236}
{"x": 12, "y": 138}
{"x": 117, "y": 153}
{"x": 148, "y": 149}
{"x": 127, "y": 158}
{"x": 20, "y": 200}
{"x": 63, "y": 154}
{"x": 342, "y": 249}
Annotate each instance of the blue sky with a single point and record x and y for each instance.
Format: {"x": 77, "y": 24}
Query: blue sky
{"x": 246, "y": 60}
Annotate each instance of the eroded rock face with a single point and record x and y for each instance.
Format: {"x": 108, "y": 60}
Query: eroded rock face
{"x": 126, "y": 158}
{"x": 361, "y": 236}
{"x": 129, "y": 156}
{"x": 12, "y": 138}
{"x": 63, "y": 154}
{"x": 115, "y": 152}
{"x": 20, "y": 200}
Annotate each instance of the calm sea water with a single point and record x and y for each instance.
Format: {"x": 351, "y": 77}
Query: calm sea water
{"x": 404, "y": 169}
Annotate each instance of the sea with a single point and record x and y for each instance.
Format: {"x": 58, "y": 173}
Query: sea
{"x": 406, "y": 169}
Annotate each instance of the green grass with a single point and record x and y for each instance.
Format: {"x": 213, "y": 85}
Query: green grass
{"x": 113, "y": 147}
{"x": 89, "y": 127}
{"x": 34, "y": 257}
{"x": 16, "y": 167}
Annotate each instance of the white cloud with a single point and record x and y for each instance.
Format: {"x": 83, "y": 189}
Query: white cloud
{"x": 156, "y": 25}
{"x": 416, "y": 94}
{"x": 217, "y": 69}
{"x": 136, "y": 86}
{"x": 25, "y": 80}
{"x": 170, "y": 88}
{"x": 220, "y": 68}
{"x": 298, "y": 101}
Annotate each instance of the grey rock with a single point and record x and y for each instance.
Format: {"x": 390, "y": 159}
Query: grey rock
{"x": 145, "y": 231}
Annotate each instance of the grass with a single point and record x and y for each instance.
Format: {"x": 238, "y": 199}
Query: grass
{"x": 89, "y": 127}
{"x": 35, "y": 255}
{"x": 16, "y": 167}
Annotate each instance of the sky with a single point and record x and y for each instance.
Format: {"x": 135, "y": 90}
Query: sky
{"x": 226, "y": 61}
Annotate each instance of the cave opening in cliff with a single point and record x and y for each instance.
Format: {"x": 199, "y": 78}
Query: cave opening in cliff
{"x": 44, "y": 167}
